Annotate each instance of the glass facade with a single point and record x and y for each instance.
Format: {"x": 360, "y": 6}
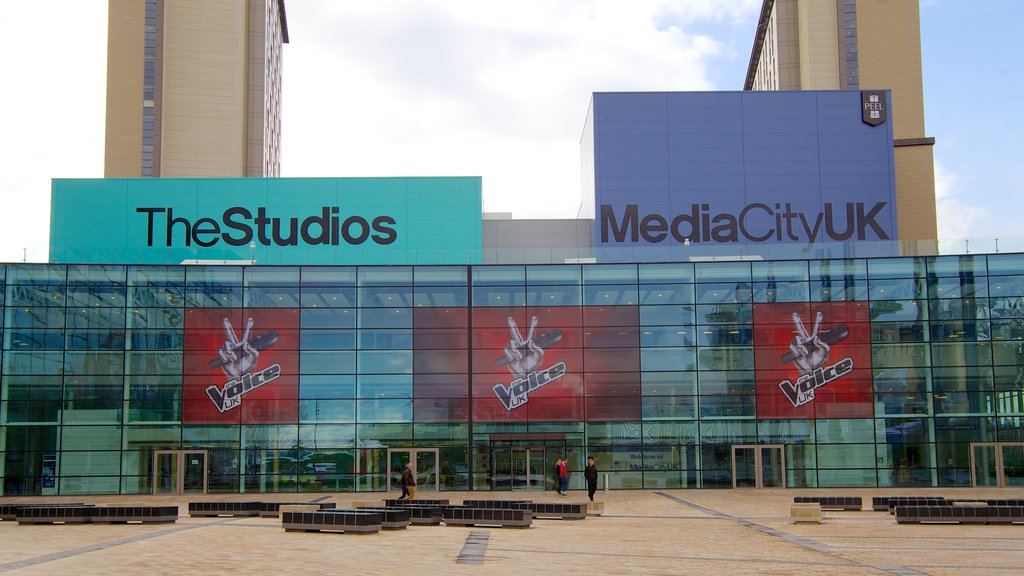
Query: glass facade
{"x": 309, "y": 378}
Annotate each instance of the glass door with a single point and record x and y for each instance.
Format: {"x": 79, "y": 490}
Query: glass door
{"x": 984, "y": 468}
{"x": 1013, "y": 464}
{"x": 528, "y": 467}
{"x": 537, "y": 468}
{"x": 165, "y": 473}
{"x": 997, "y": 464}
{"x": 520, "y": 468}
{"x": 771, "y": 467}
{"x": 744, "y": 467}
{"x": 397, "y": 460}
{"x": 193, "y": 476}
{"x": 758, "y": 466}
{"x": 180, "y": 472}
{"x": 424, "y": 468}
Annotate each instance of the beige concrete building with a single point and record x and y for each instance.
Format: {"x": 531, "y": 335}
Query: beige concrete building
{"x": 854, "y": 44}
{"x": 194, "y": 88}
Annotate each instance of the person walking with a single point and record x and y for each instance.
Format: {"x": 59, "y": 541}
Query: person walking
{"x": 400, "y": 478}
{"x": 590, "y": 474}
{"x": 409, "y": 481}
{"x": 563, "y": 476}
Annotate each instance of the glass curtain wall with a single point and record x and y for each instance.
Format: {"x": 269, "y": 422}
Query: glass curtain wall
{"x": 656, "y": 370}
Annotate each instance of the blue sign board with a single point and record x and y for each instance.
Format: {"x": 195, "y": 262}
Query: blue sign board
{"x": 740, "y": 168}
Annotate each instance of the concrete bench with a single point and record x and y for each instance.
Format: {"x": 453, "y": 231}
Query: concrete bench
{"x": 140, "y": 514}
{"x": 419, "y": 514}
{"x": 396, "y": 502}
{"x": 204, "y": 509}
{"x": 832, "y": 502}
{"x": 805, "y": 512}
{"x": 595, "y": 508}
{"x": 499, "y": 504}
{"x": 464, "y": 516}
{"x": 348, "y": 521}
{"x": 881, "y": 503}
{"x": 559, "y": 510}
{"x": 55, "y": 514}
{"x": 98, "y": 514}
{"x": 893, "y": 501}
{"x": 959, "y": 514}
{"x": 273, "y": 509}
{"x": 392, "y": 518}
{"x": 10, "y": 511}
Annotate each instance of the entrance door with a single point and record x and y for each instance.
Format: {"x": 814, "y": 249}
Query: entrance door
{"x": 997, "y": 464}
{"x": 758, "y": 466}
{"x": 180, "y": 471}
{"x": 519, "y": 468}
{"x": 528, "y": 467}
{"x": 424, "y": 462}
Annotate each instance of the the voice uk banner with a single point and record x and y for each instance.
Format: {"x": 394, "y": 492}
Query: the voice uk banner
{"x": 241, "y": 366}
{"x": 813, "y": 360}
{"x": 531, "y": 364}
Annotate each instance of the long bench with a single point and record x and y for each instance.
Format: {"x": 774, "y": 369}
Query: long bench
{"x": 97, "y": 514}
{"x": 499, "y": 504}
{"x": 558, "y": 510}
{"x": 348, "y": 521}
{"x": 419, "y": 514}
{"x": 396, "y": 502}
{"x": 881, "y": 503}
{"x": 962, "y": 502}
{"x": 10, "y": 511}
{"x": 465, "y": 516}
{"x": 832, "y": 502}
{"x": 894, "y": 501}
{"x": 273, "y": 509}
{"x": 204, "y": 509}
{"x": 392, "y": 518}
{"x": 959, "y": 514}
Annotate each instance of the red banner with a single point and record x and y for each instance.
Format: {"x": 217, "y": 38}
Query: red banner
{"x": 813, "y": 360}
{"x": 530, "y": 364}
{"x": 241, "y": 366}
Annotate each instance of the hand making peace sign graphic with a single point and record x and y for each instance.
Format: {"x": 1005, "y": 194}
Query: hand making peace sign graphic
{"x": 237, "y": 357}
{"x": 810, "y": 351}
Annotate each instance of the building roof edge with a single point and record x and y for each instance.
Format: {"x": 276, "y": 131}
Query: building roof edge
{"x": 755, "y": 51}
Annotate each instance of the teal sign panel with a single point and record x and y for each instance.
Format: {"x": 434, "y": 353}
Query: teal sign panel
{"x": 267, "y": 220}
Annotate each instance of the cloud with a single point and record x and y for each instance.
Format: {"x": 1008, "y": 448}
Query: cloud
{"x": 956, "y": 218}
{"x": 463, "y": 88}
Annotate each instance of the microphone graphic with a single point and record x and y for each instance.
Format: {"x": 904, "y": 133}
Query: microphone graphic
{"x": 544, "y": 341}
{"x": 833, "y": 335}
{"x": 260, "y": 342}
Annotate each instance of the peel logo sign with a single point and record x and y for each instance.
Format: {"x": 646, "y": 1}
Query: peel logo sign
{"x": 873, "y": 110}
{"x": 809, "y": 353}
{"x": 523, "y": 358}
{"x": 238, "y": 360}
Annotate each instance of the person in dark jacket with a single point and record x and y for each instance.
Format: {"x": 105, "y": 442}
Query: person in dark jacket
{"x": 590, "y": 474}
{"x": 409, "y": 481}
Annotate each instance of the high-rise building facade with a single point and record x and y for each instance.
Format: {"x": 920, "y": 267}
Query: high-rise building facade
{"x": 194, "y": 88}
{"x": 857, "y": 44}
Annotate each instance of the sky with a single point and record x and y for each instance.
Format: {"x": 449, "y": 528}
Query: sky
{"x": 498, "y": 90}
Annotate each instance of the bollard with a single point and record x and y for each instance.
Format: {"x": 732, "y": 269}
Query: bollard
{"x": 606, "y": 488}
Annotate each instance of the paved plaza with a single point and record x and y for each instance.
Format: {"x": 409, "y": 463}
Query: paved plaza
{"x": 650, "y": 532}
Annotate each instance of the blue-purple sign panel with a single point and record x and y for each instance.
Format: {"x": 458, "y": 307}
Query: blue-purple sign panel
{"x": 740, "y": 168}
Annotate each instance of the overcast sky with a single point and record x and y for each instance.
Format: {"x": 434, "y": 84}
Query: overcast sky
{"x": 498, "y": 90}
